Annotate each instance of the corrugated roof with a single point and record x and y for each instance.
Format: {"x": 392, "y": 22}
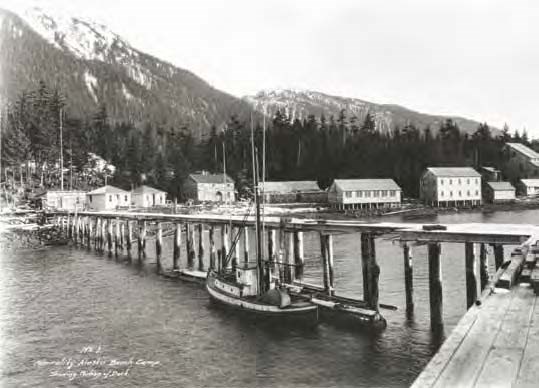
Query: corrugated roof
{"x": 146, "y": 189}
{"x": 210, "y": 178}
{"x": 108, "y": 190}
{"x": 528, "y": 152}
{"x": 530, "y": 182}
{"x": 290, "y": 186}
{"x": 500, "y": 186}
{"x": 454, "y": 171}
{"x": 366, "y": 184}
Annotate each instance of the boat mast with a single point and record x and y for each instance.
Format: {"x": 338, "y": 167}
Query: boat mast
{"x": 259, "y": 261}
{"x": 61, "y": 151}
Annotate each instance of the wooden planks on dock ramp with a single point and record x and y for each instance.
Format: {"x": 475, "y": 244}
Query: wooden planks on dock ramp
{"x": 494, "y": 345}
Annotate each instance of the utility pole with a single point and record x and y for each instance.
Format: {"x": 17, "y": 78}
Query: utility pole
{"x": 224, "y": 170}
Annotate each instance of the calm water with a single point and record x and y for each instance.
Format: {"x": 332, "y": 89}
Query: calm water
{"x": 55, "y": 302}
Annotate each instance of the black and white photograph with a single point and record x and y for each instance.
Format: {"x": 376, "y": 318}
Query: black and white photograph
{"x": 271, "y": 193}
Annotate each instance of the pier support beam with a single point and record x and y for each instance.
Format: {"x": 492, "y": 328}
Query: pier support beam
{"x": 97, "y": 233}
{"x": 272, "y": 237}
{"x": 408, "y": 277}
{"x": 498, "y": 255}
{"x": 89, "y": 235}
{"x": 141, "y": 240}
{"x": 68, "y": 226}
{"x": 213, "y": 255}
{"x": 471, "y": 274}
{"x": 158, "y": 246}
{"x": 122, "y": 235}
{"x": 177, "y": 246}
{"x": 483, "y": 266}
{"x": 225, "y": 246}
{"x": 299, "y": 259}
{"x": 200, "y": 247}
{"x": 129, "y": 239}
{"x": 103, "y": 235}
{"x": 325, "y": 265}
{"x": 281, "y": 253}
{"x": 371, "y": 271}
{"x": 435, "y": 286}
{"x": 289, "y": 249}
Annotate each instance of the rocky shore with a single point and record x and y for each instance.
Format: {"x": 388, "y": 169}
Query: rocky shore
{"x": 30, "y": 236}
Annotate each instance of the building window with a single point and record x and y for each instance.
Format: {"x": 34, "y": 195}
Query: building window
{"x": 348, "y": 194}
{"x": 360, "y": 194}
{"x": 441, "y": 193}
{"x": 450, "y": 193}
{"x": 125, "y": 198}
{"x": 459, "y": 181}
{"x": 441, "y": 181}
{"x": 110, "y": 198}
{"x": 476, "y": 192}
{"x": 468, "y": 193}
{"x": 90, "y": 198}
{"x": 384, "y": 193}
{"x": 460, "y": 193}
{"x": 392, "y": 193}
{"x": 451, "y": 181}
{"x": 376, "y": 193}
{"x": 476, "y": 181}
{"x": 367, "y": 194}
{"x": 468, "y": 181}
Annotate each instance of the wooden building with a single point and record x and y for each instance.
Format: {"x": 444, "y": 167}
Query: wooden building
{"x": 450, "y": 186}
{"x": 495, "y": 192}
{"x": 146, "y": 196}
{"x": 529, "y": 187}
{"x": 521, "y": 162}
{"x": 364, "y": 193}
{"x": 293, "y": 191}
{"x": 490, "y": 174}
{"x": 63, "y": 200}
{"x": 108, "y": 198}
{"x": 208, "y": 187}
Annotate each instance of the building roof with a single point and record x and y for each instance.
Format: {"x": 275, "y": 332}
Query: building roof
{"x": 146, "y": 190}
{"x": 454, "y": 171}
{"x": 108, "y": 190}
{"x": 206, "y": 177}
{"x": 526, "y": 151}
{"x": 500, "y": 186}
{"x": 530, "y": 182}
{"x": 290, "y": 186}
{"x": 490, "y": 169}
{"x": 366, "y": 184}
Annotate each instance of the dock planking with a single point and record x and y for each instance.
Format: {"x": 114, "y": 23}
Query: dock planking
{"x": 494, "y": 344}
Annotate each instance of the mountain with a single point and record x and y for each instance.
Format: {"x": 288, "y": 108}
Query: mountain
{"x": 301, "y": 103}
{"x": 92, "y": 65}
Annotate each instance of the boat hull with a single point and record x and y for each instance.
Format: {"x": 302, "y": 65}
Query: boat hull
{"x": 297, "y": 312}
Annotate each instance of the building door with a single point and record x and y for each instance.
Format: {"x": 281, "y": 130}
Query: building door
{"x": 219, "y": 196}
{"x": 153, "y": 199}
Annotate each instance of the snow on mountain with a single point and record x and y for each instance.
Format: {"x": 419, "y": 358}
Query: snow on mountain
{"x": 298, "y": 104}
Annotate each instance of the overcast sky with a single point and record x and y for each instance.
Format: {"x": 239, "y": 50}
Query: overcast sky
{"x": 477, "y": 59}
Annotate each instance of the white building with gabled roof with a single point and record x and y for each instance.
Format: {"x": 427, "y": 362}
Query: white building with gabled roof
{"x": 107, "y": 198}
{"x": 450, "y": 186}
{"x": 529, "y": 187}
{"x": 146, "y": 196}
{"x": 364, "y": 193}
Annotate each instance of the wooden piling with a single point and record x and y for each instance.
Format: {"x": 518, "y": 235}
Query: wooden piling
{"x": 236, "y": 258}
{"x": 96, "y": 236}
{"x": 190, "y": 245}
{"x": 225, "y": 245}
{"x": 281, "y": 253}
{"x": 408, "y": 277}
{"x": 129, "y": 238}
{"x": 483, "y": 266}
{"x": 299, "y": 259}
{"x": 177, "y": 246}
{"x": 103, "y": 235}
{"x": 289, "y": 249}
{"x": 272, "y": 236}
{"x": 325, "y": 266}
{"x": 331, "y": 272}
{"x": 498, "y": 255}
{"x": 109, "y": 236}
{"x": 471, "y": 274}
{"x": 213, "y": 255}
{"x": 435, "y": 286}
{"x": 89, "y": 235}
{"x": 200, "y": 247}
{"x": 117, "y": 238}
{"x": 68, "y": 226}
{"x": 122, "y": 235}
{"x": 158, "y": 246}
{"x": 246, "y": 246}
